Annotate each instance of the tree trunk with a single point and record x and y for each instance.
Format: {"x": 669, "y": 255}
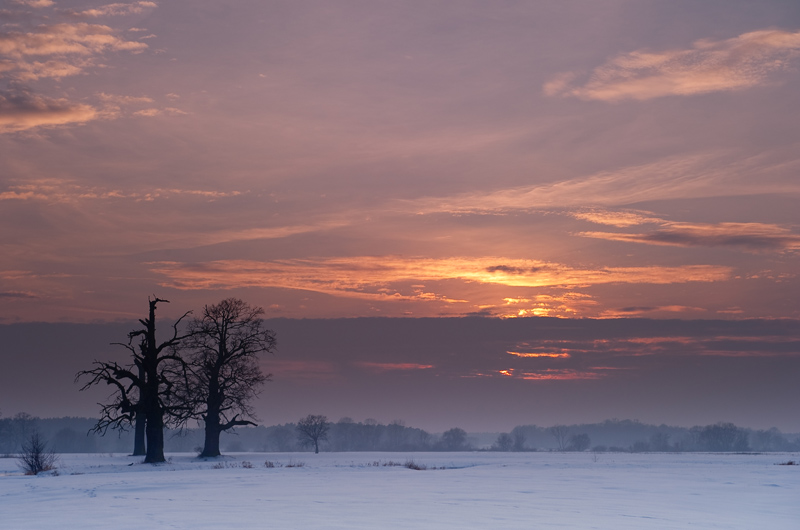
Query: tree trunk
{"x": 211, "y": 444}
{"x": 316, "y": 446}
{"x": 155, "y": 437}
{"x": 138, "y": 435}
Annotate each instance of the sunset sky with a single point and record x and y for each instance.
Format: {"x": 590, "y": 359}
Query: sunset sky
{"x": 338, "y": 159}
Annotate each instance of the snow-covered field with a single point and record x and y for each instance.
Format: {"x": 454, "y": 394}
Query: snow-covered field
{"x": 347, "y": 490}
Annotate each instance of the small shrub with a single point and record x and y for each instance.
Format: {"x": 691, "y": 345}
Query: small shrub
{"x": 789, "y": 463}
{"x": 270, "y": 464}
{"x": 410, "y": 464}
{"x": 36, "y": 457}
{"x": 295, "y": 463}
{"x": 247, "y": 465}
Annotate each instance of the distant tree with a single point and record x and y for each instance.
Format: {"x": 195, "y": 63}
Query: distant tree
{"x": 147, "y": 387}
{"x": 504, "y": 442}
{"x": 579, "y": 442}
{"x": 723, "y": 437}
{"x": 311, "y": 430}
{"x": 396, "y": 436}
{"x": 282, "y": 437}
{"x": 659, "y": 441}
{"x": 454, "y": 439}
{"x": 518, "y": 435}
{"x": 36, "y": 457}
{"x": 770, "y": 440}
{"x": 561, "y": 434}
{"x": 22, "y": 427}
{"x": 225, "y": 343}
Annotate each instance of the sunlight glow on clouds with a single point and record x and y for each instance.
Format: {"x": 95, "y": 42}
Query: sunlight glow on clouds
{"x": 709, "y": 66}
{"x": 373, "y": 277}
{"x": 54, "y": 51}
{"x": 22, "y": 109}
{"x": 535, "y": 355}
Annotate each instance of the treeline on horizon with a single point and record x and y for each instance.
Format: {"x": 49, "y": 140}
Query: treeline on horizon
{"x": 73, "y": 435}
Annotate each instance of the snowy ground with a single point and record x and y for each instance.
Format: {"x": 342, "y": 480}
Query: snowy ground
{"x": 346, "y": 490}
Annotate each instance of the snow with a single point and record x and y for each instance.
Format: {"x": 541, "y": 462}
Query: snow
{"x": 346, "y": 490}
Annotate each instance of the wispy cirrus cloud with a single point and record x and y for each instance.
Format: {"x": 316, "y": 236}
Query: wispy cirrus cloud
{"x": 676, "y": 177}
{"x": 392, "y": 367}
{"x": 754, "y": 237}
{"x": 18, "y": 295}
{"x": 34, "y": 3}
{"x": 745, "y": 61}
{"x": 116, "y": 9}
{"x": 67, "y": 191}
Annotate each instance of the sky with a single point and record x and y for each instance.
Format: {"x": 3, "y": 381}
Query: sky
{"x": 622, "y": 163}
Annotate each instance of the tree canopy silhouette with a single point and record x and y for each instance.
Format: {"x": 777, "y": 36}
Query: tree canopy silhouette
{"x": 146, "y": 388}
{"x": 225, "y": 376}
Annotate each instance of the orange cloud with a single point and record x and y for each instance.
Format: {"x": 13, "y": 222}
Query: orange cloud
{"x": 642, "y": 310}
{"x": 531, "y": 354}
{"x": 52, "y": 51}
{"x": 709, "y": 66}
{"x": 21, "y": 110}
{"x": 622, "y": 219}
{"x": 560, "y": 375}
{"x": 65, "y": 39}
{"x": 372, "y": 277}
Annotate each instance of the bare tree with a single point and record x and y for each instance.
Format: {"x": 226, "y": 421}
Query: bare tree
{"x": 22, "y": 427}
{"x": 36, "y": 456}
{"x": 504, "y": 442}
{"x": 454, "y": 439}
{"x": 225, "y": 375}
{"x": 561, "y": 434}
{"x": 125, "y": 407}
{"x": 311, "y": 430}
{"x": 518, "y": 434}
{"x": 579, "y": 442}
{"x": 145, "y": 391}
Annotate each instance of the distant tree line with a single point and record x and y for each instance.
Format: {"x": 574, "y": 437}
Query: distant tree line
{"x": 69, "y": 435}
{"x": 634, "y": 436}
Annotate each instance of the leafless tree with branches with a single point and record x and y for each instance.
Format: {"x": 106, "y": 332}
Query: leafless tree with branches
{"x": 224, "y": 372}
{"x": 311, "y": 430}
{"x": 146, "y": 389}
